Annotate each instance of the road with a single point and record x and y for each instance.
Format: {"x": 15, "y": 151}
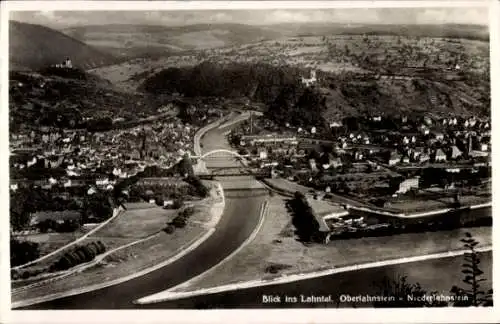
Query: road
{"x": 241, "y": 216}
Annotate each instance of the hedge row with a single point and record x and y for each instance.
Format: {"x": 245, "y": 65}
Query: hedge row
{"x": 307, "y": 228}
{"x": 64, "y": 227}
{"x": 79, "y": 255}
{"x": 25, "y": 274}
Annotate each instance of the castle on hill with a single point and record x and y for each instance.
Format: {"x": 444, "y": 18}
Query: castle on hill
{"x": 311, "y": 80}
{"x": 65, "y": 64}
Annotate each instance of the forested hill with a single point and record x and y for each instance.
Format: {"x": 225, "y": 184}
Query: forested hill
{"x": 278, "y": 87}
{"x": 261, "y": 82}
{"x": 338, "y": 95}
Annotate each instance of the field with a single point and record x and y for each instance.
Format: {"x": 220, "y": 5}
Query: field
{"x": 275, "y": 246}
{"x": 122, "y": 263}
{"x": 126, "y": 228}
{"x": 137, "y": 223}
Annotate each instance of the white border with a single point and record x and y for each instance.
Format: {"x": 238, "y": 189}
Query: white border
{"x": 244, "y": 316}
{"x": 231, "y": 5}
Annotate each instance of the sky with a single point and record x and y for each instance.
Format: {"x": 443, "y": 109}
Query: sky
{"x": 63, "y": 19}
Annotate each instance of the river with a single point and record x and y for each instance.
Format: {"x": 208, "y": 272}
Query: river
{"x": 438, "y": 275}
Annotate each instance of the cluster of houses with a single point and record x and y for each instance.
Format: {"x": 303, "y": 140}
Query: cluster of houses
{"x": 445, "y": 142}
{"x": 97, "y": 160}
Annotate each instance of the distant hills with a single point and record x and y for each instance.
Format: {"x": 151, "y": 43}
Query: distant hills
{"x": 474, "y": 32}
{"x": 35, "y": 46}
{"x": 136, "y": 40}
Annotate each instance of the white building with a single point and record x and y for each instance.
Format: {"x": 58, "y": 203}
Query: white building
{"x": 408, "y": 184}
{"x": 310, "y": 81}
{"x": 312, "y": 164}
{"x": 335, "y": 124}
{"x": 440, "y": 156}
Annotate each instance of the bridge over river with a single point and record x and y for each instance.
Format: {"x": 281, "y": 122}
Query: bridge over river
{"x": 225, "y": 163}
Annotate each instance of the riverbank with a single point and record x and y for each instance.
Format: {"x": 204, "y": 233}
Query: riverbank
{"x": 275, "y": 252}
{"x": 135, "y": 259}
{"x": 434, "y": 275}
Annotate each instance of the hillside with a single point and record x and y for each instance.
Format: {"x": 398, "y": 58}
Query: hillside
{"x": 342, "y": 94}
{"x": 69, "y": 98}
{"x": 150, "y": 40}
{"x": 34, "y": 46}
{"x": 339, "y": 50}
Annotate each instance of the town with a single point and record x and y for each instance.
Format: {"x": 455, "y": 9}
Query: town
{"x": 282, "y": 156}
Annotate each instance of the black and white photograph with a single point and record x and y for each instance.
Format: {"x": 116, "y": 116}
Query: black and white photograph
{"x": 264, "y": 158}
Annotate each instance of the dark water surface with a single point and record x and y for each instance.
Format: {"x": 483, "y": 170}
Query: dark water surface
{"x": 433, "y": 275}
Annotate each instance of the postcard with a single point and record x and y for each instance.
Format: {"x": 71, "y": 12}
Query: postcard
{"x": 282, "y": 159}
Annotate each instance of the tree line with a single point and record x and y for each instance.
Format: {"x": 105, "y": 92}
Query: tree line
{"x": 306, "y": 226}
{"x": 28, "y": 201}
{"x": 180, "y": 221}
{"x": 78, "y": 255}
{"x": 31, "y": 251}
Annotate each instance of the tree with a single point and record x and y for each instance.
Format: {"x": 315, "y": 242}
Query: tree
{"x": 169, "y": 229}
{"x": 400, "y": 293}
{"x": 186, "y": 166}
{"x": 22, "y": 252}
{"x": 178, "y": 203}
{"x": 68, "y": 226}
{"x": 472, "y": 295}
{"x": 99, "y": 206}
{"x": 102, "y": 247}
{"x": 179, "y": 221}
{"x": 78, "y": 255}
{"x": 22, "y": 204}
{"x": 200, "y": 188}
